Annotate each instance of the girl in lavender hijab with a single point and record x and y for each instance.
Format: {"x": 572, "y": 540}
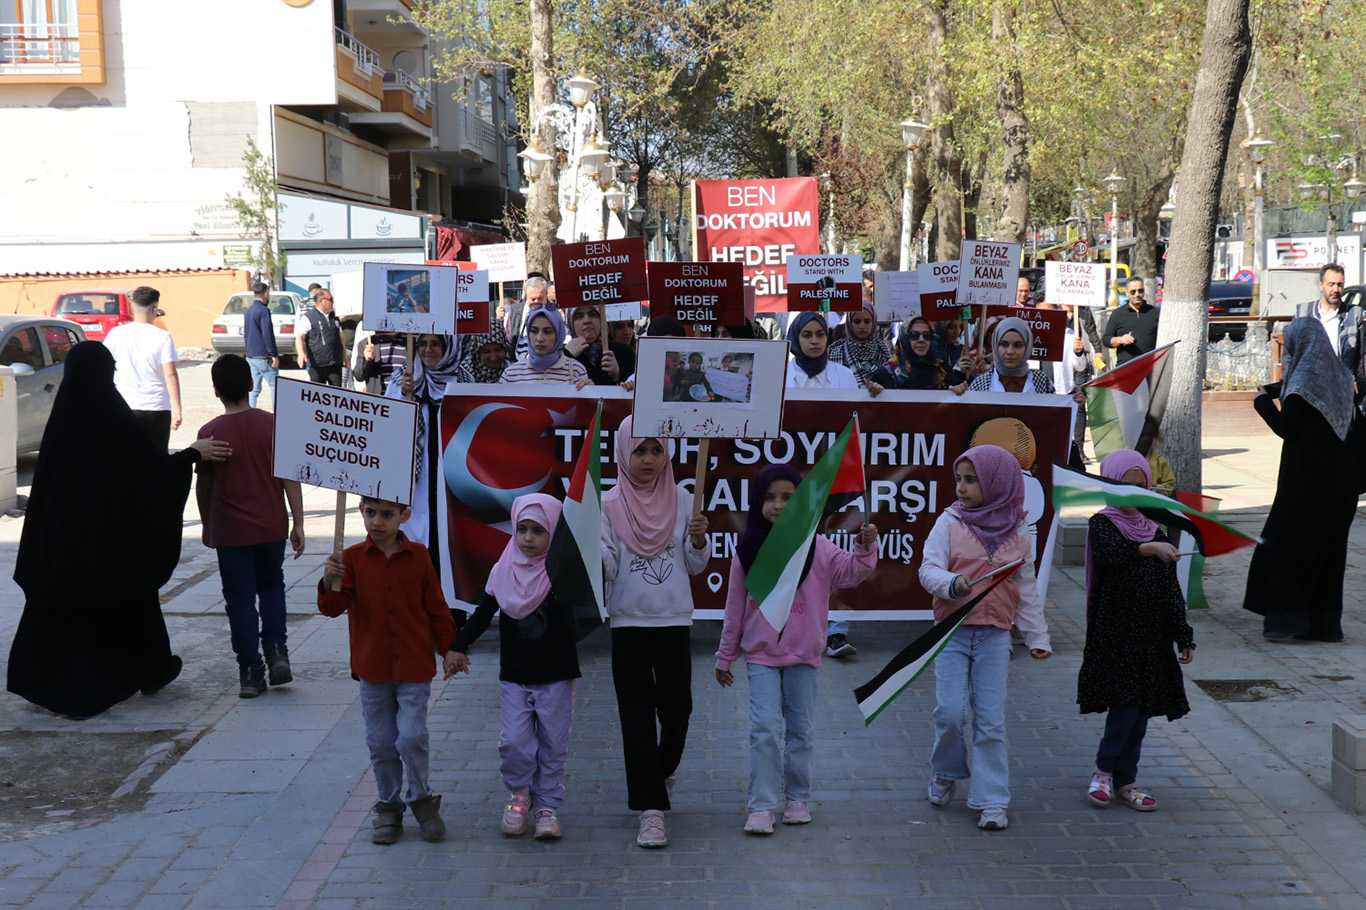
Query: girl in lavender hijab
{"x": 539, "y": 663}
{"x": 546, "y": 360}
{"x": 1135, "y": 614}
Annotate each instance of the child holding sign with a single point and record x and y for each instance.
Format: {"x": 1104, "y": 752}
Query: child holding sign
{"x": 537, "y": 668}
{"x": 398, "y": 620}
{"x": 983, "y": 530}
{"x": 782, "y": 664}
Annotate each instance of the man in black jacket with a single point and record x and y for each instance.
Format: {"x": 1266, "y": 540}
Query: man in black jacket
{"x": 1132, "y": 330}
{"x": 321, "y": 349}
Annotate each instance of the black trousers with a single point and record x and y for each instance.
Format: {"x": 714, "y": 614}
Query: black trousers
{"x": 330, "y": 374}
{"x": 157, "y": 425}
{"x": 652, "y": 672}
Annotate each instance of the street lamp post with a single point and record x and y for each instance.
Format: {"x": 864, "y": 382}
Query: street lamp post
{"x": 1114, "y": 183}
{"x": 911, "y": 132}
{"x": 1257, "y": 147}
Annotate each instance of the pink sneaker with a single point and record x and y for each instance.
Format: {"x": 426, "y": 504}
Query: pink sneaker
{"x": 652, "y": 833}
{"x": 514, "y": 816}
{"x": 760, "y": 822}
{"x": 547, "y": 825}
{"x": 795, "y": 813}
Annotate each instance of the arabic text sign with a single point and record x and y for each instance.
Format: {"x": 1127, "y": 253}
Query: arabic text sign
{"x": 833, "y": 283}
{"x": 990, "y": 270}
{"x": 343, "y": 440}
{"x": 1074, "y": 283}
{"x": 599, "y": 272}
{"x": 698, "y": 292}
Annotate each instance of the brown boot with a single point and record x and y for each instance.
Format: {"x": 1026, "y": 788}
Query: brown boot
{"x": 388, "y": 822}
{"x": 427, "y": 811}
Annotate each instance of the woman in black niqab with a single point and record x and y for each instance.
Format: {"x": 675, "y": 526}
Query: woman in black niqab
{"x": 91, "y": 563}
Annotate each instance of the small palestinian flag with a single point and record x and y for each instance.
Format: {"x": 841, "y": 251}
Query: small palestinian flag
{"x": 850, "y": 483}
{"x": 1211, "y": 536}
{"x": 574, "y": 560}
{"x": 907, "y": 666}
{"x": 1190, "y": 570}
{"x": 777, "y": 569}
{"x": 1124, "y": 407}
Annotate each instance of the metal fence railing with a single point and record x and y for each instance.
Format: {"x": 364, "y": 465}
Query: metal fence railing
{"x": 26, "y": 43}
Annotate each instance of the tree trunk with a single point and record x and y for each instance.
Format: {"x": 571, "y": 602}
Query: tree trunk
{"x": 1224, "y": 54}
{"x": 948, "y": 157}
{"x": 543, "y": 208}
{"x": 1149, "y": 213}
{"x": 920, "y": 199}
{"x": 972, "y": 196}
{"x": 1016, "y": 137}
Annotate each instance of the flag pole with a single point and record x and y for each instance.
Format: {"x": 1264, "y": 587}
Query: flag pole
{"x": 338, "y": 531}
{"x": 867, "y": 496}
{"x": 982, "y": 332}
{"x": 700, "y": 479}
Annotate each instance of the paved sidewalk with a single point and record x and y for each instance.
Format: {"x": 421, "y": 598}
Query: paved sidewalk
{"x": 268, "y": 806}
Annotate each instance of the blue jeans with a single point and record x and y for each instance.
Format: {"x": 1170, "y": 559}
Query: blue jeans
{"x": 1122, "y": 744}
{"x": 970, "y": 676}
{"x": 248, "y": 574}
{"x": 837, "y": 627}
{"x": 780, "y": 766}
{"x": 261, "y": 369}
{"x": 396, "y": 735}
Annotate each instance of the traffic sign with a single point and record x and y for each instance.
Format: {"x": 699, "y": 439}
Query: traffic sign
{"x": 1080, "y": 249}
{"x": 1245, "y": 275}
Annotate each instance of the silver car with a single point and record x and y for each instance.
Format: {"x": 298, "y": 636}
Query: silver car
{"x": 36, "y": 348}
{"x": 285, "y": 307}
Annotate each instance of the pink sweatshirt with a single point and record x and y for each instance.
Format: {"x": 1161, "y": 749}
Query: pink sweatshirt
{"x": 747, "y": 632}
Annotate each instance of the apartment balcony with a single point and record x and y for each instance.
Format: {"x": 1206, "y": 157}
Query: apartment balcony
{"x": 406, "y": 112}
{"x": 360, "y": 78}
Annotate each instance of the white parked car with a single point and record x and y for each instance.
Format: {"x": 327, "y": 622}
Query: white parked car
{"x": 284, "y": 308}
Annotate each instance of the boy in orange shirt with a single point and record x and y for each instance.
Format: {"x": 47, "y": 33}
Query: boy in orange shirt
{"x": 398, "y": 620}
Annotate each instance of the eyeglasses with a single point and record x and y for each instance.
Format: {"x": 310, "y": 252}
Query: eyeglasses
{"x": 1137, "y": 292}
{"x": 919, "y": 336}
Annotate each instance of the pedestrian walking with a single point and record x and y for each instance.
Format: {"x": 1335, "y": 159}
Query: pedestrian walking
{"x": 983, "y": 530}
{"x": 1135, "y": 614}
{"x": 145, "y": 373}
{"x": 258, "y": 334}
{"x": 318, "y": 341}
{"x": 538, "y": 666}
{"x": 782, "y": 663}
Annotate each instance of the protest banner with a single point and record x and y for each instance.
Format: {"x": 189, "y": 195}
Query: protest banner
{"x": 411, "y": 299}
{"x": 939, "y": 290}
{"x": 599, "y": 272}
{"x": 897, "y": 295}
{"x": 618, "y": 312}
{"x": 710, "y": 293}
{"x": 1048, "y": 326}
{"x": 757, "y": 223}
{"x": 831, "y": 284}
{"x": 909, "y": 441}
{"x": 503, "y": 261}
{"x": 714, "y": 388}
{"x": 1074, "y": 283}
{"x": 989, "y": 272}
{"x": 471, "y": 304}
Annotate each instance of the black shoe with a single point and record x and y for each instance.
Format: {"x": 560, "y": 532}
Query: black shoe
{"x": 171, "y": 671}
{"x": 838, "y": 646}
{"x": 253, "y": 681}
{"x": 1279, "y": 636}
{"x": 277, "y": 659}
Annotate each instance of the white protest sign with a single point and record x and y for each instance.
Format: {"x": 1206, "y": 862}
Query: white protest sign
{"x": 989, "y": 272}
{"x": 730, "y": 385}
{"x": 503, "y": 261}
{"x": 412, "y": 299}
{"x": 1074, "y": 283}
{"x": 624, "y": 312}
{"x": 938, "y": 290}
{"x": 346, "y": 441}
{"x": 897, "y": 295}
{"x": 714, "y": 388}
{"x": 825, "y": 283}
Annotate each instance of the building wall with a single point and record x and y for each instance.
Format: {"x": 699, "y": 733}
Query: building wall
{"x": 302, "y": 148}
{"x": 191, "y": 300}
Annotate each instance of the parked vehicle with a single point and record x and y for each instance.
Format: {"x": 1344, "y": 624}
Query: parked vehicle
{"x": 227, "y": 335}
{"x": 1354, "y": 295}
{"x": 96, "y": 310}
{"x": 36, "y": 347}
{"x": 1229, "y": 298}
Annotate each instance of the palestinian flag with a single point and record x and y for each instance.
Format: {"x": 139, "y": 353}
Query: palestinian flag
{"x": 907, "y": 666}
{"x": 777, "y": 569}
{"x": 1124, "y": 407}
{"x": 1210, "y": 536}
{"x": 1190, "y": 570}
{"x": 574, "y": 560}
{"x": 850, "y": 482}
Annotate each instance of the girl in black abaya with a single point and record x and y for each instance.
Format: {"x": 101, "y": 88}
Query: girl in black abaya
{"x": 1295, "y": 580}
{"x": 90, "y": 565}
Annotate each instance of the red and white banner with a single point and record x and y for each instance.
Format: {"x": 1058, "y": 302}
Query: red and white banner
{"x": 599, "y": 272}
{"x": 758, "y": 223}
{"x": 825, "y": 283}
{"x": 939, "y": 291}
{"x": 503, "y": 441}
{"x": 1049, "y": 328}
{"x": 711, "y": 293}
{"x": 471, "y": 296}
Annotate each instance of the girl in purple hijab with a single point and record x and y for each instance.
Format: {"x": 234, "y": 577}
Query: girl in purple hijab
{"x": 1136, "y": 622}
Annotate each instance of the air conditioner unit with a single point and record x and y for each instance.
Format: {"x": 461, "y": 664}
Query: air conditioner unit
{"x": 1223, "y": 231}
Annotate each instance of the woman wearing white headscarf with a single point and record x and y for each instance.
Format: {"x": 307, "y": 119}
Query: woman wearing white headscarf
{"x": 1295, "y": 580}
{"x": 1011, "y": 342}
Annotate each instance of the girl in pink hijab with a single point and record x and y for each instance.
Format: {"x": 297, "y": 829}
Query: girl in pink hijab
{"x": 651, "y": 543}
{"x": 984, "y": 530}
{"x": 1136, "y": 623}
{"x": 539, "y": 662}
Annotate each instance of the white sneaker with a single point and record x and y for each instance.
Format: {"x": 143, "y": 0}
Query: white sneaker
{"x": 993, "y": 820}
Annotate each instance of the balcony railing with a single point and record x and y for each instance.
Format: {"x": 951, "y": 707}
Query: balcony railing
{"x": 398, "y": 78}
{"x": 367, "y": 61}
{"x": 24, "y": 44}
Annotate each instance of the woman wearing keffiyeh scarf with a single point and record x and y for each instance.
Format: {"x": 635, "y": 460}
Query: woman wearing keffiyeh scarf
{"x": 481, "y": 362}
{"x": 860, "y": 349}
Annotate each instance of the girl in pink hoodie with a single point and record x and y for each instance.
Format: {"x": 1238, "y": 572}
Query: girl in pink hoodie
{"x": 782, "y": 664}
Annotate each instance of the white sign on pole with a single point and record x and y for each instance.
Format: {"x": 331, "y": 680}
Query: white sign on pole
{"x": 724, "y": 388}
{"x": 412, "y": 299}
{"x": 897, "y": 295}
{"x": 471, "y": 286}
{"x": 1074, "y": 283}
{"x": 503, "y": 261}
{"x": 344, "y": 440}
{"x": 990, "y": 270}
{"x": 938, "y": 290}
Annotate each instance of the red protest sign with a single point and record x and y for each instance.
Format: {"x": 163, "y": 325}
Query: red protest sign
{"x": 939, "y": 291}
{"x": 1049, "y": 328}
{"x": 698, "y": 292}
{"x": 758, "y": 223}
{"x": 599, "y": 272}
{"x": 471, "y": 297}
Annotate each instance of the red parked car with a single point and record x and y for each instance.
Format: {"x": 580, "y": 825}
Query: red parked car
{"x": 97, "y": 310}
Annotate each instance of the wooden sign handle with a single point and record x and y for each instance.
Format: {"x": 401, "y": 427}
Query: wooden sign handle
{"x": 703, "y": 455}
{"x": 408, "y": 345}
{"x": 339, "y": 534}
